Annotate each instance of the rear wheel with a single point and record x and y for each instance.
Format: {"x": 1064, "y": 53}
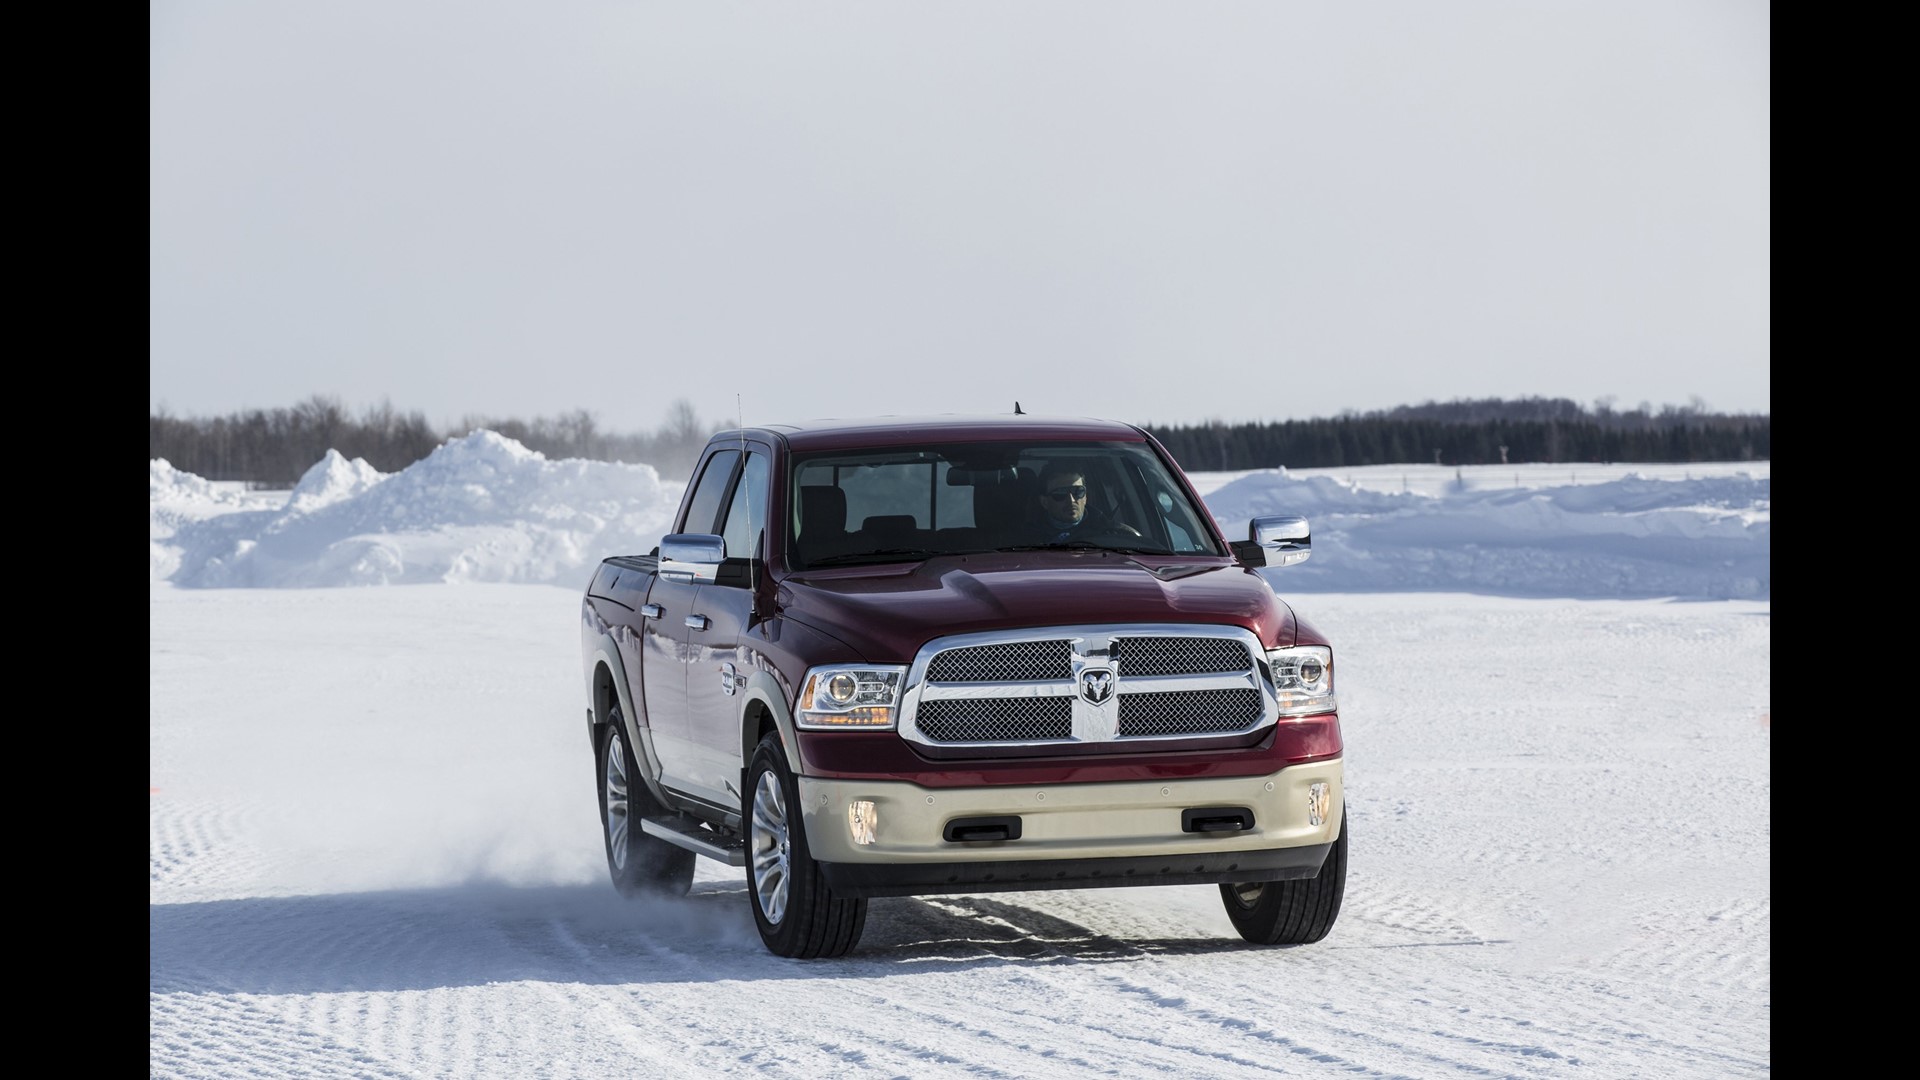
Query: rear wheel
{"x": 639, "y": 863}
{"x": 1297, "y": 912}
{"x": 796, "y": 913}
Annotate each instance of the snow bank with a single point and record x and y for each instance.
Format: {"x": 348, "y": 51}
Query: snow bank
{"x": 485, "y": 508}
{"x": 479, "y": 508}
{"x": 1628, "y": 538}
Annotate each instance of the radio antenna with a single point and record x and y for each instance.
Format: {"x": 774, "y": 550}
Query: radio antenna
{"x": 754, "y": 541}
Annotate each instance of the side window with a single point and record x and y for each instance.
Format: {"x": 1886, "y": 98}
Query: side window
{"x": 747, "y": 514}
{"x": 704, "y": 509}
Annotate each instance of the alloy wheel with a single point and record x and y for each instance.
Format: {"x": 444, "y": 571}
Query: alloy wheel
{"x": 619, "y": 804}
{"x": 771, "y": 851}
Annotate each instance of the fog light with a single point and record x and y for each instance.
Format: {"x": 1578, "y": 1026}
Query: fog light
{"x": 863, "y": 817}
{"x": 1319, "y": 801}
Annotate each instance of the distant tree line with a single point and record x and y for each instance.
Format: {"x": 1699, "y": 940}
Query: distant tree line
{"x": 274, "y": 447}
{"x": 1483, "y": 432}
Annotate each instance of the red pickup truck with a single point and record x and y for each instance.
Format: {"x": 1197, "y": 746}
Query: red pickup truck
{"x": 911, "y": 656}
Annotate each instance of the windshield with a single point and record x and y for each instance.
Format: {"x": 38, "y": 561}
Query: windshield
{"x": 901, "y": 503}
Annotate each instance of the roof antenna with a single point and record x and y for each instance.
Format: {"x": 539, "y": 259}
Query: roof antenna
{"x": 753, "y": 585}
{"x": 1017, "y": 411}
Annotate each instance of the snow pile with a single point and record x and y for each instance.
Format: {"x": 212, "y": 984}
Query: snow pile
{"x": 184, "y": 509}
{"x": 169, "y": 485}
{"x": 479, "y": 508}
{"x": 1634, "y": 537}
{"x": 332, "y": 479}
{"x": 485, "y": 508}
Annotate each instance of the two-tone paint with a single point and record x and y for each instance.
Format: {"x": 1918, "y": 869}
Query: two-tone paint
{"x": 703, "y": 669}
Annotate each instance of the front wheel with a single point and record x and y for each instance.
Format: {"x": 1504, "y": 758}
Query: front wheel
{"x": 638, "y": 863}
{"x": 796, "y": 913}
{"x": 1296, "y": 912}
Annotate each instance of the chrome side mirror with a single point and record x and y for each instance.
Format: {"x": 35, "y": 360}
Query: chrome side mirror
{"x": 691, "y": 556}
{"x": 1283, "y": 540}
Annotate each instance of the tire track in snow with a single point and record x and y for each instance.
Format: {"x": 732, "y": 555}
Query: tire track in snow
{"x": 1199, "y": 1023}
{"x": 1007, "y": 933}
{"x": 1420, "y": 1049}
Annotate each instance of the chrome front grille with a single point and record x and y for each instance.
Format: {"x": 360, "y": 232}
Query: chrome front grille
{"x": 1189, "y": 712}
{"x": 1179, "y": 655}
{"x": 997, "y": 719}
{"x": 1013, "y": 661}
{"x": 1117, "y": 685}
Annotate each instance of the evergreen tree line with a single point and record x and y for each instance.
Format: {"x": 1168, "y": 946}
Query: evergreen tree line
{"x": 274, "y": 447}
{"x": 1485, "y": 432}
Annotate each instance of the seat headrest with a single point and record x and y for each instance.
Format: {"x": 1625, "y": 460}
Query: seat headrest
{"x": 1005, "y": 498}
{"x": 823, "y": 509}
{"x": 889, "y": 523}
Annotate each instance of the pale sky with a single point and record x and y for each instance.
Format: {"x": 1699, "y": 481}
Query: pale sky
{"x": 1150, "y": 212}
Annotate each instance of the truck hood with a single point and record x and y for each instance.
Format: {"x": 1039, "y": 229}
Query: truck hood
{"x": 886, "y": 613}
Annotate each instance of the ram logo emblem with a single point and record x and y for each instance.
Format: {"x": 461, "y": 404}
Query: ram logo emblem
{"x": 1096, "y": 685}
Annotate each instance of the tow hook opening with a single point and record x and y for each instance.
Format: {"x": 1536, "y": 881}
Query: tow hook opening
{"x": 1212, "y": 819}
{"x": 968, "y": 830}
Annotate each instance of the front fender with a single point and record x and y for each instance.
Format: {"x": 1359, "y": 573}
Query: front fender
{"x": 765, "y": 696}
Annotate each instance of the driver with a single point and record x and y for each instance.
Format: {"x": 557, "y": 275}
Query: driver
{"x": 1062, "y": 512}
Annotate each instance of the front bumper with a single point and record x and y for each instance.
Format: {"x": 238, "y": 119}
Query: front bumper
{"x": 1072, "y": 835}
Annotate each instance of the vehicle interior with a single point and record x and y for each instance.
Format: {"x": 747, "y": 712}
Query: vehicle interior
{"x": 886, "y": 505}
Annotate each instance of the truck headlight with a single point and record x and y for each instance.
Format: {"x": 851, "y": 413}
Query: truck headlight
{"x": 848, "y": 697}
{"x": 1303, "y": 679}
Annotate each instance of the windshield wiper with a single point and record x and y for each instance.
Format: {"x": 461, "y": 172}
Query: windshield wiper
{"x": 877, "y": 555}
{"x": 1175, "y": 571}
{"x": 1085, "y": 545}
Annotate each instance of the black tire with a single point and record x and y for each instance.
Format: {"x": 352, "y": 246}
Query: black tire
{"x": 640, "y": 864}
{"x": 1296, "y": 912}
{"x": 796, "y": 913}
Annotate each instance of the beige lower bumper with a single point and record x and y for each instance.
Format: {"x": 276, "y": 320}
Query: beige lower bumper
{"x": 1071, "y": 821}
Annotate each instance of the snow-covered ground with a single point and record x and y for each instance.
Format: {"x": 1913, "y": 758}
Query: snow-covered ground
{"x": 374, "y": 845}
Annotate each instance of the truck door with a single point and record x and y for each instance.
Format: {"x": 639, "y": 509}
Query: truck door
{"x": 670, "y": 618}
{"x": 722, "y": 653}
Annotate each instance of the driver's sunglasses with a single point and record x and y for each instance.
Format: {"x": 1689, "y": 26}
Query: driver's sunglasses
{"x": 1075, "y": 493}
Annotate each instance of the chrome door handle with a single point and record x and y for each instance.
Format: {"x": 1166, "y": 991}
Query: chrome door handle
{"x": 697, "y": 622}
{"x": 650, "y": 611}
